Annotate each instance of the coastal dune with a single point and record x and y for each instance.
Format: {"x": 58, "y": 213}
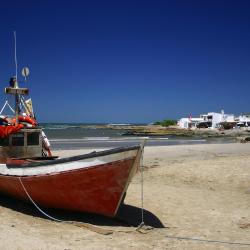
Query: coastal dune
{"x": 195, "y": 197}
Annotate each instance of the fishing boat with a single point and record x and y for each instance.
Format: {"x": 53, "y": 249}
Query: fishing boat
{"x": 95, "y": 182}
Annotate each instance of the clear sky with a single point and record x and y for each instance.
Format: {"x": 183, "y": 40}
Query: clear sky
{"x": 129, "y": 61}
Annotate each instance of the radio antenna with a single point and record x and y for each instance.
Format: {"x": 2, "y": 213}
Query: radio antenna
{"x": 15, "y": 54}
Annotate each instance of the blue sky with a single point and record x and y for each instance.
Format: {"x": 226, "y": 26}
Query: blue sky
{"x": 129, "y": 61}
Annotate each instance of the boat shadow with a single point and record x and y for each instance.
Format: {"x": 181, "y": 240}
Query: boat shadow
{"x": 127, "y": 215}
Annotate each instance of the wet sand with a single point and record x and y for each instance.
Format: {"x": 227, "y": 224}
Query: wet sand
{"x": 190, "y": 191}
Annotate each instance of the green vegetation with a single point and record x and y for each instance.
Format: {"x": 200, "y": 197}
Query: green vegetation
{"x": 166, "y": 123}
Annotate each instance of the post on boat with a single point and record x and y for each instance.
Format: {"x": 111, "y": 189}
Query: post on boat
{"x": 16, "y": 91}
{"x": 17, "y": 100}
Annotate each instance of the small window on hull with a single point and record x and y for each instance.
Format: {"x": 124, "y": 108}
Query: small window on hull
{"x": 33, "y": 138}
{"x": 18, "y": 139}
{"x": 4, "y": 141}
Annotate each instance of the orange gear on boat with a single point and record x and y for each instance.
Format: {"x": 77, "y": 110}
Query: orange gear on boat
{"x": 27, "y": 119}
{"x": 10, "y": 129}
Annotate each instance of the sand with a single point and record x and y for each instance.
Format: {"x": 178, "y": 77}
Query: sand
{"x": 190, "y": 191}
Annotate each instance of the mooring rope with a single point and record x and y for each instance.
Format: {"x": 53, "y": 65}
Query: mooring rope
{"x": 75, "y": 223}
{"x": 208, "y": 241}
{"x": 142, "y": 187}
{"x": 142, "y": 228}
{"x": 38, "y": 208}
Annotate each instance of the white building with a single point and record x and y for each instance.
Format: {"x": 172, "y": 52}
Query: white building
{"x": 189, "y": 122}
{"x": 217, "y": 118}
{"x": 212, "y": 120}
{"x": 243, "y": 120}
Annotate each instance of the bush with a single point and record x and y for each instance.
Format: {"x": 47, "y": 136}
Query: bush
{"x": 166, "y": 123}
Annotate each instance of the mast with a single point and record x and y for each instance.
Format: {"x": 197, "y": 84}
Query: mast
{"x": 14, "y": 88}
{"x": 17, "y": 101}
{"x": 17, "y": 98}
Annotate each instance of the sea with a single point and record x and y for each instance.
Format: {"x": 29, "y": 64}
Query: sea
{"x": 77, "y": 135}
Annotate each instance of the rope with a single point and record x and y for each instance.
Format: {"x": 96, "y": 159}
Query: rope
{"x": 75, "y": 223}
{"x": 10, "y": 107}
{"x": 142, "y": 228}
{"x": 142, "y": 187}
{"x": 209, "y": 241}
{"x": 6, "y": 103}
{"x": 38, "y": 208}
{"x": 3, "y": 107}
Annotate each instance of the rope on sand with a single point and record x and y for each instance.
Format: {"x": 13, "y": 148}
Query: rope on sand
{"x": 209, "y": 241}
{"x": 75, "y": 223}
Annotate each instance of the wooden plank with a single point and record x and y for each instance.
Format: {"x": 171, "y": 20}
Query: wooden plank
{"x": 19, "y": 91}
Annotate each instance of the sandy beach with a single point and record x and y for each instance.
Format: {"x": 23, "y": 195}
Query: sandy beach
{"x": 195, "y": 197}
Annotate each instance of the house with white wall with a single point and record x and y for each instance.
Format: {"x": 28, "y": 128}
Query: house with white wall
{"x": 189, "y": 122}
{"x": 217, "y": 118}
{"x": 243, "y": 120}
{"x": 211, "y": 119}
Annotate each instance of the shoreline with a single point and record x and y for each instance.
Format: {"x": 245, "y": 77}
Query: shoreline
{"x": 158, "y": 130}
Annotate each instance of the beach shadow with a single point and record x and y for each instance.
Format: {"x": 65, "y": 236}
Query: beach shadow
{"x": 133, "y": 216}
{"x": 127, "y": 215}
{"x": 17, "y": 205}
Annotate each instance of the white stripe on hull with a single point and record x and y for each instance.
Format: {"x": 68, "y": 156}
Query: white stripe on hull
{"x": 60, "y": 167}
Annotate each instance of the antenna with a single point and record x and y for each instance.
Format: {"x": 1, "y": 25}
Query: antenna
{"x": 15, "y": 54}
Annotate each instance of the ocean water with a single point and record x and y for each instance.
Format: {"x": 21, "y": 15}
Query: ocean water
{"x": 76, "y": 135}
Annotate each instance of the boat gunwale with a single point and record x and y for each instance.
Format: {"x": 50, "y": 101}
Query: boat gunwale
{"x": 73, "y": 158}
{"x": 64, "y": 172}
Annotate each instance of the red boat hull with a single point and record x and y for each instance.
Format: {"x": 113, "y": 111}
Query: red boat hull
{"x": 97, "y": 189}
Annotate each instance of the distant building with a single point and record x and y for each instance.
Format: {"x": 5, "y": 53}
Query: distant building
{"x": 209, "y": 120}
{"x": 189, "y": 122}
{"x": 216, "y": 118}
{"x": 243, "y": 120}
